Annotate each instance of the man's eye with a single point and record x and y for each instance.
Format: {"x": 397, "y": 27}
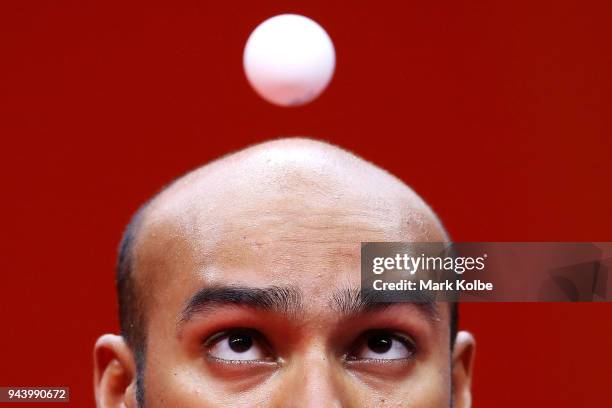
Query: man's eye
{"x": 237, "y": 345}
{"x": 383, "y": 345}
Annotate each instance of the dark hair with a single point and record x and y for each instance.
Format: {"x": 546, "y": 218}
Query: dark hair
{"x": 454, "y": 322}
{"x": 131, "y": 309}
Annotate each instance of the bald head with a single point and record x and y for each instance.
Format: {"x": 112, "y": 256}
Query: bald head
{"x": 290, "y": 196}
{"x": 249, "y": 266}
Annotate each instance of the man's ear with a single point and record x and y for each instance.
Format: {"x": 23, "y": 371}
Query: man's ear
{"x": 114, "y": 373}
{"x": 463, "y": 362}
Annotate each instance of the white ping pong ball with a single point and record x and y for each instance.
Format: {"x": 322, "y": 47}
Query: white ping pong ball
{"x": 289, "y": 60}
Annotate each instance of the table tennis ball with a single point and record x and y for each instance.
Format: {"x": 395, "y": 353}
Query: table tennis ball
{"x": 289, "y": 60}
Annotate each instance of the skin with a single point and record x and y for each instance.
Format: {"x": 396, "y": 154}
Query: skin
{"x": 286, "y": 213}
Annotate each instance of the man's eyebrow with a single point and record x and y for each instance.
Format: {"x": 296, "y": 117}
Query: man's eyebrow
{"x": 353, "y": 301}
{"x": 285, "y": 300}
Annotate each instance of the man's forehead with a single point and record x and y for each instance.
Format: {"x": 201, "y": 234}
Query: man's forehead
{"x": 260, "y": 244}
{"x": 243, "y": 234}
{"x": 277, "y": 209}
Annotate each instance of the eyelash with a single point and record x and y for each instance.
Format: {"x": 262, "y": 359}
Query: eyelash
{"x": 406, "y": 340}
{"x": 217, "y": 337}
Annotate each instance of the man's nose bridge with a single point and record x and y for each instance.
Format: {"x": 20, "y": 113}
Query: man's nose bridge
{"x": 315, "y": 382}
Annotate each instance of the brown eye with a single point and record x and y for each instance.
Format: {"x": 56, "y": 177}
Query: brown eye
{"x": 380, "y": 343}
{"x": 241, "y": 342}
{"x": 238, "y": 345}
{"x": 383, "y": 345}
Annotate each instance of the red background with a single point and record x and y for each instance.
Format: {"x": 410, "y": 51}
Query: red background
{"x": 498, "y": 113}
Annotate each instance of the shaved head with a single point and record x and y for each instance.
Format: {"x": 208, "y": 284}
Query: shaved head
{"x": 283, "y": 190}
{"x": 290, "y": 202}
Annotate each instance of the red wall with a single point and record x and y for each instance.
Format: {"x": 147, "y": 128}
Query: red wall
{"x": 498, "y": 113}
